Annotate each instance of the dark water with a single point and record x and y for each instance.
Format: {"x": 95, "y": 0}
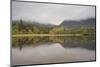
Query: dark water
{"x": 40, "y": 50}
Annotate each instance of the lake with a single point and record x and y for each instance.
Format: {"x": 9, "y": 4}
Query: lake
{"x": 52, "y": 49}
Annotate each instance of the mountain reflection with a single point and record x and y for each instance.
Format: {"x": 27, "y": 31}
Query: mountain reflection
{"x": 66, "y": 42}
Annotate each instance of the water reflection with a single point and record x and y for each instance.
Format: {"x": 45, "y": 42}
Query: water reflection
{"x": 82, "y": 42}
{"x": 38, "y": 50}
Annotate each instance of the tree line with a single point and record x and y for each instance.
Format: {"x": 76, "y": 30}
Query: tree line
{"x": 23, "y": 27}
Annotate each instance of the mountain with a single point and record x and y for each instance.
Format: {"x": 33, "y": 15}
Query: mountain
{"x": 87, "y": 22}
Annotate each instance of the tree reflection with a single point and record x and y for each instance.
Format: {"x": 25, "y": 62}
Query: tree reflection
{"x": 87, "y": 42}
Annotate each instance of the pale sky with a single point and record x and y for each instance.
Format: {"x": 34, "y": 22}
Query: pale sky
{"x": 50, "y": 13}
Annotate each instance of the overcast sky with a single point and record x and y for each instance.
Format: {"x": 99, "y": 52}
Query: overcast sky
{"x": 50, "y": 13}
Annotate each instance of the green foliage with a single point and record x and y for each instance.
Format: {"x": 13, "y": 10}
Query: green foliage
{"x": 58, "y": 30}
{"x": 22, "y": 27}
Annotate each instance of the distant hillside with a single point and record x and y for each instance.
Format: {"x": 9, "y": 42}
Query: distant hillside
{"x": 31, "y": 23}
{"x": 86, "y": 22}
{"x": 89, "y": 22}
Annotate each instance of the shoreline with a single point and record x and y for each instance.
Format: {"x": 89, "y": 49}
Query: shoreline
{"x": 32, "y": 35}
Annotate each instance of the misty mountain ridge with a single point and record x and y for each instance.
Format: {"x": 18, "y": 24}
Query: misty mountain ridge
{"x": 86, "y": 22}
{"x": 66, "y": 23}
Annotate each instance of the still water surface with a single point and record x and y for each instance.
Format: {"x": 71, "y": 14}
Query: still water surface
{"x": 40, "y": 50}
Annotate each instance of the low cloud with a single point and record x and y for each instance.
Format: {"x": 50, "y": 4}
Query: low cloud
{"x": 50, "y": 13}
